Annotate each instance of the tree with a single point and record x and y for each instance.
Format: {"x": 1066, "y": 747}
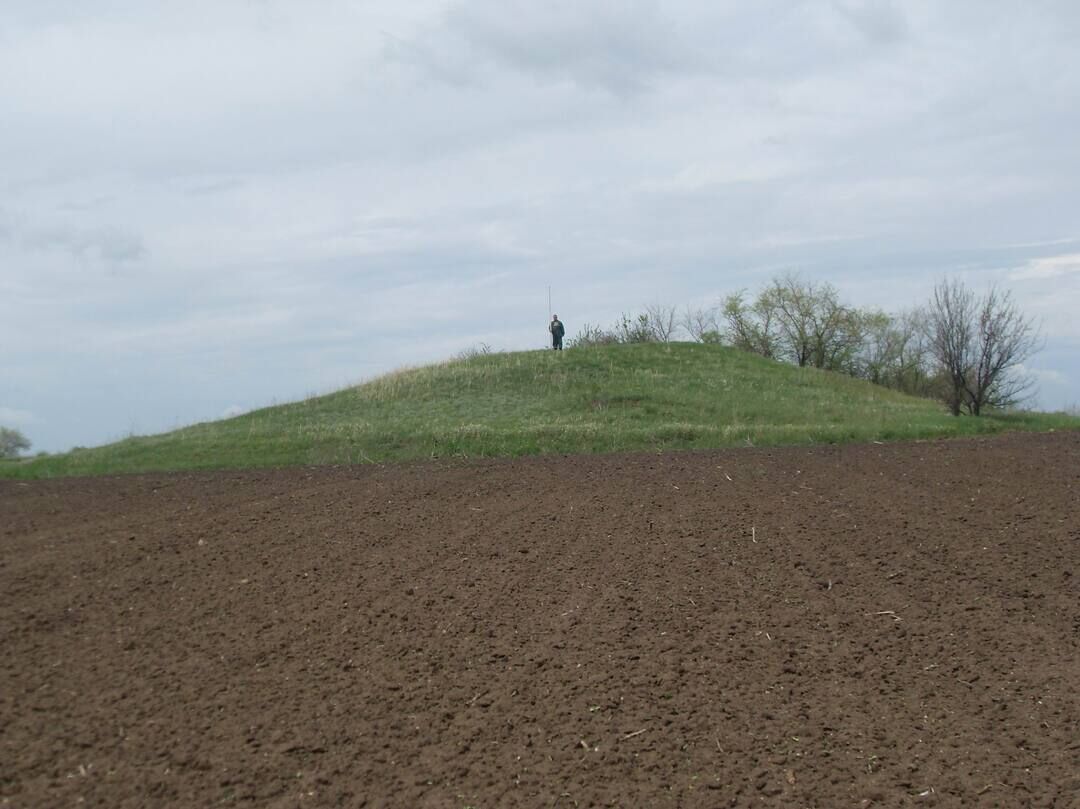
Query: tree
{"x": 792, "y": 302}
{"x": 634, "y": 330}
{"x": 12, "y": 442}
{"x": 591, "y": 335}
{"x": 838, "y": 332}
{"x": 661, "y": 322}
{"x": 914, "y": 364}
{"x": 894, "y": 351}
{"x": 881, "y": 348}
{"x": 949, "y": 328}
{"x": 657, "y": 324}
{"x": 750, "y": 327}
{"x": 1005, "y": 338}
{"x": 813, "y": 327}
{"x": 701, "y": 324}
{"x": 979, "y": 343}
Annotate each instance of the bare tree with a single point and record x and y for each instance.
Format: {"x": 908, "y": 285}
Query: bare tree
{"x": 1005, "y": 338}
{"x": 979, "y": 343}
{"x": 701, "y": 324}
{"x": 949, "y": 326}
{"x": 12, "y": 442}
{"x": 657, "y": 324}
{"x": 662, "y": 321}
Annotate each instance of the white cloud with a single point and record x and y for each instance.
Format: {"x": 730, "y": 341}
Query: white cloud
{"x": 1047, "y": 267}
{"x": 618, "y": 45}
{"x": 1043, "y": 375}
{"x": 112, "y": 245}
{"x": 13, "y": 415}
{"x": 628, "y": 47}
{"x": 882, "y": 23}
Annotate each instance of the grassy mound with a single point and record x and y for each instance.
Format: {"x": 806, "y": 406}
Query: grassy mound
{"x": 624, "y": 397}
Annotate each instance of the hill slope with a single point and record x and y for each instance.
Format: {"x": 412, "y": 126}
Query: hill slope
{"x": 602, "y": 399}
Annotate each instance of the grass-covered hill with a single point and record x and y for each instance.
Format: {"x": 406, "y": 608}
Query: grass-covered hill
{"x": 600, "y": 399}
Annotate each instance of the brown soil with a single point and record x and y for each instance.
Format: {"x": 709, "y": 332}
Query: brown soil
{"x": 879, "y": 625}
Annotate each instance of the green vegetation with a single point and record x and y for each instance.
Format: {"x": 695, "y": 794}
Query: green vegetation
{"x": 595, "y": 399}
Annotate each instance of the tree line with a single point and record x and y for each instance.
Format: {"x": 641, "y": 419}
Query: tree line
{"x": 960, "y": 347}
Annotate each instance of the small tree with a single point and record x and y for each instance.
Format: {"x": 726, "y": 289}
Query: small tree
{"x": 701, "y": 324}
{"x": 751, "y": 327}
{"x": 12, "y": 442}
{"x": 838, "y": 333}
{"x": 949, "y": 327}
{"x": 657, "y": 324}
{"x": 894, "y": 351}
{"x": 880, "y": 348}
{"x": 792, "y": 301}
{"x": 1005, "y": 338}
{"x": 634, "y": 330}
{"x": 814, "y": 328}
{"x": 914, "y": 366}
{"x": 662, "y": 322}
{"x": 591, "y": 335}
{"x": 978, "y": 344}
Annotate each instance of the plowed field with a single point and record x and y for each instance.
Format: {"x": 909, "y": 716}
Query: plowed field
{"x": 877, "y": 625}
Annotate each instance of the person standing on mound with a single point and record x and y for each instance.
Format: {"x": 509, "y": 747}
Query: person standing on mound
{"x": 557, "y": 331}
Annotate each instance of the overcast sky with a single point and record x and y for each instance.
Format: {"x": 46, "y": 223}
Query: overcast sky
{"x": 211, "y": 205}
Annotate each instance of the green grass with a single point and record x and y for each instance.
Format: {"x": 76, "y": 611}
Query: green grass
{"x": 604, "y": 399}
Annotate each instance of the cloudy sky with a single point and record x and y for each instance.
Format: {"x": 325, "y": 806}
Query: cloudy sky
{"x": 212, "y": 205}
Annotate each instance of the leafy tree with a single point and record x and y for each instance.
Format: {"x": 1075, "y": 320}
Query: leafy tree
{"x": 895, "y": 351}
{"x": 12, "y": 442}
{"x": 815, "y": 328}
{"x": 791, "y": 302}
{"x": 634, "y": 329}
{"x": 798, "y": 321}
{"x": 751, "y": 327}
